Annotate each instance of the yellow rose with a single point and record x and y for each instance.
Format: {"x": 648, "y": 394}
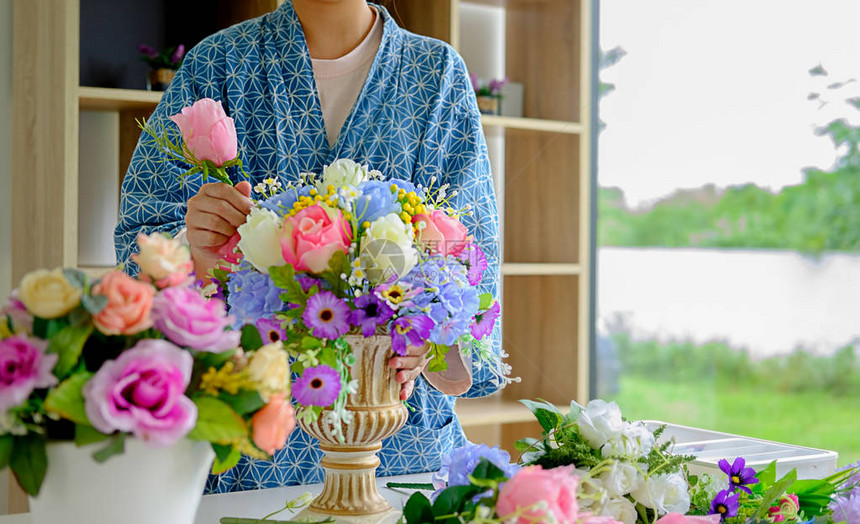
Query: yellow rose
{"x": 270, "y": 370}
{"x": 47, "y": 294}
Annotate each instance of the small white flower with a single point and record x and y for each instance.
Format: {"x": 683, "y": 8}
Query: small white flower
{"x": 664, "y": 493}
{"x": 600, "y": 422}
{"x": 342, "y": 173}
{"x": 621, "y": 510}
{"x": 621, "y": 479}
{"x": 309, "y": 358}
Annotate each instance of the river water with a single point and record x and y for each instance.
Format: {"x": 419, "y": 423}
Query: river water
{"x": 769, "y": 302}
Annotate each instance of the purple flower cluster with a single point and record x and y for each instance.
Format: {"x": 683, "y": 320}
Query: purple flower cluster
{"x": 727, "y": 502}
{"x": 318, "y": 386}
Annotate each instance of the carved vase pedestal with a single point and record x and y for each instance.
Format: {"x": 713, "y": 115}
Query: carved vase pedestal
{"x": 350, "y": 493}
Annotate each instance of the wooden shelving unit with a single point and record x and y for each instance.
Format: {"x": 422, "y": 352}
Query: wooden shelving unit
{"x": 543, "y": 171}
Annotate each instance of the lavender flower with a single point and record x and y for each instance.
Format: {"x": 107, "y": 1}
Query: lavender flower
{"x": 846, "y": 509}
{"x": 178, "y": 53}
{"x": 147, "y": 51}
{"x": 188, "y": 319}
{"x": 725, "y": 504}
{"x": 326, "y": 315}
{"x": 371, "y": 313}
{"x": 474, "y": 257}
{"x": 318, "y": 386}
{"x": 739, "y": 475}
{"x": 411, "y": 330}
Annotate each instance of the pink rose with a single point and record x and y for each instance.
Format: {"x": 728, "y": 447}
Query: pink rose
{"x": 128, "y": 307}
{"x": 532, "y": 484}
{"x": 191, "y": 320}
{"x": 17, "y": 313}
{"x": 441, "y": 233}
{"x": 207, "y": 131}
{"x": 143, "y": 392}
{"x": 311, "y": 237}
{"x": 273, "y": 423}
{"x": 24, "y": 366}
{"x": 677, "y": 518}
{"x": 162, "y": 260}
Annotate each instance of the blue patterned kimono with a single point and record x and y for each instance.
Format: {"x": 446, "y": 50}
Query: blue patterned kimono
{"x": 415, "y": 118}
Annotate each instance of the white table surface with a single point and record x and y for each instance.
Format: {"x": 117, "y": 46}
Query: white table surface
{"x": 259, "y": 503}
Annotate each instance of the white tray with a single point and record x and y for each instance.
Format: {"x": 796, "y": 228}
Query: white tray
{"x": 710, "y": 446}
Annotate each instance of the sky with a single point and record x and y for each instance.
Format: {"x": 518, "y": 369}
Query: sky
{"x": 715, "y": 91}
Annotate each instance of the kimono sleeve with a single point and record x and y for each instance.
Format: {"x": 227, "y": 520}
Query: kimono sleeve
{"x": 152, "y": 198}
{"x": 455, "y": 151}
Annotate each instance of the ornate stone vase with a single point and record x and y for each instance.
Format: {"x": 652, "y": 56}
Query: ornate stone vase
{"x": 350, "y": 466}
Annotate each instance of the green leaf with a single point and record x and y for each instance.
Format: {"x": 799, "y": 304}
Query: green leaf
{"x": 814, "y": 495}
{"x": 243, "y": 402}
{"x": 225, "y": 458}
{"x": 453, "y": 498}
{"x": 284, "y": 277}
{"x": 487, "y": 470}
{"x": 94, "y": 304}
{"x": 437, "y": 362}
{"x": 338, "y": 265}
{"x": 85, "y": 434}
{"x": 486, "y": 301}
{"x": 217, "y": 422}
{"x": 6, "y": 443}
{"x": 214, "y": 360}
{"x": 765, "y": 477}
{"x": 68, "y": 344}
{"x": 526, "y": 444}
{"x": 311, "y": 343}
{"x": 775, "y": 491}
{"x": 418, "y": 510}
{"x": 251, "y": 339}
{"x": 548, "y": 416}
{"x": 115, "y": 447}
{"x": 76, "y": 278}
{"x": 67, "y": 399}
{"x": 29, "y": 462}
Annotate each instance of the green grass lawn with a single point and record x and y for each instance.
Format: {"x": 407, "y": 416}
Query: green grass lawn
{"x": 817, "y": 420}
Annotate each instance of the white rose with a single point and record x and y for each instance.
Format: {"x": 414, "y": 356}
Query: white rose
{"x": 259, "y": 239}
{"x": 621, "y": 510}
{"x": 634, "y": 441}
{"x": 387, "y": 249}
{"x": 621, "y": 479}
{"x": 599, "y": 422}
{"x": 342, "y": 173}
{"x": 664, "y": 493}
{"x": 592, "y": 493}
{"x": 270, "y": 370}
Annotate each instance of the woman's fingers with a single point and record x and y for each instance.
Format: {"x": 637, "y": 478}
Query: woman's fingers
{"x": 406, "y": 390}
{"x": 229, "y": 194}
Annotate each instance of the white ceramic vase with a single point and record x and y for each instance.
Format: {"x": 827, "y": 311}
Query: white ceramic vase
{"x": 141, "y": 486}
{"x": 350, "y": 491}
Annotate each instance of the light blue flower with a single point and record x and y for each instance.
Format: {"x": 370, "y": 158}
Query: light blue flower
{"x": 457, "y": 466}
{"x": 376, "y": 201}
{"x": 252, "y": 295}
{"x": 283, "y": 202}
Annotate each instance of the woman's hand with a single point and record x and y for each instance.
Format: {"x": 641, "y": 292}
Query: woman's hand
{"x": 212, "y": 217}
{"x": 409, "y": 367}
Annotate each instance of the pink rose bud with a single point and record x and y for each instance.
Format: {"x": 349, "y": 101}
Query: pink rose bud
{"x": 143, "y": 392}
{"x": 532, "y": 484}
{"x": 273, "y": 424}
{"x": 128, "y": 307}
{"x": 441, "y": 234}
{"x": 208, "y": 132}
{"x": 24, "y": 366}
{"x": 311, "y": 237}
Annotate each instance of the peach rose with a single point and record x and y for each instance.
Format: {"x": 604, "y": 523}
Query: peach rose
{"x": 441, "y": 233}
{"x": 162, "y": 260}
{"x": 311, "y": 237}
{"x": 128, "y": 307}
{"x": 207, "y": 131}
{"x": 273, "y": 423}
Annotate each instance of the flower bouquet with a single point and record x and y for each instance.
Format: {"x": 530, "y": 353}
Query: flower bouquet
{"x": 591, "y": 466}
{"x": 346, "y": 268}
{"x": 150, "y": 358}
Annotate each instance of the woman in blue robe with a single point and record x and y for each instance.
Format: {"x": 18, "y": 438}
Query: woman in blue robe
{"x": 415, "y": 118}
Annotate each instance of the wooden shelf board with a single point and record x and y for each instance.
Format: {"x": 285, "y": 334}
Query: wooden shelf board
{"x": 492, "y": 410}
{"x": 532, "y": 124}
{"x": 108, "y": 99}
{"x": 516, "y": 269}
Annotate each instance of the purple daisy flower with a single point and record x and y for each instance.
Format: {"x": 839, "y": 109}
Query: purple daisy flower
{"x": 270, "y": 330}
{"x": 474, "y": 257}
{"x": 412, "y": 330}
{"x": 739, "y": 475}
{"x": 371, "y": 313}
{"x": 485, "y": 321}
{"x": 318, "y": 386}
{"x": 726, "y": 504}
{"x": 326, "y": 315}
